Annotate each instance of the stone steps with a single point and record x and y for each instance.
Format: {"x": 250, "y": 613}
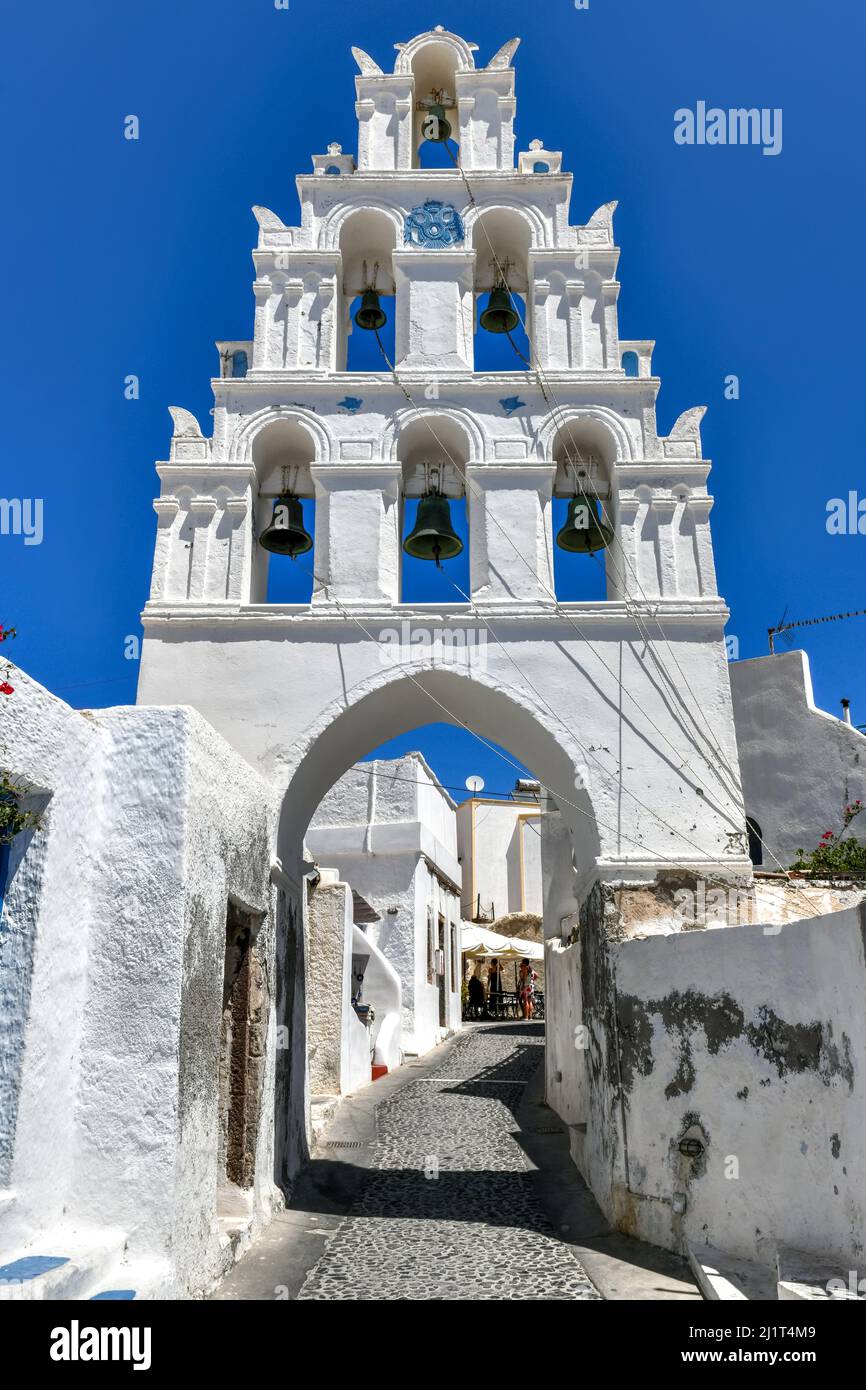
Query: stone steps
{"x": 725, "y": 1278}
{"x": 80, "y": 1264}
{"x": 795, "y": 1274}
{"x": 66, "y": 1264}
{"x": 802, "y": 1275}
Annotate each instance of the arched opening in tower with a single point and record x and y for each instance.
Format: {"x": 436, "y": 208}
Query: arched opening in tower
{"x": 501, "y": 238}
{"x": 587, "y": 559}
{"x": 434, "y": 452}
{"x": 282, "y": 454}
{"x": 435, "y": 124}
{"x": 367, "y": 241}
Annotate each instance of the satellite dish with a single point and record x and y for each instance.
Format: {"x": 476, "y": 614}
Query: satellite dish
{"x": 475, "y": 784}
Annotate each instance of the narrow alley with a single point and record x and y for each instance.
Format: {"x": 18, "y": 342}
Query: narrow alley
{"x": 445, "y": 1189}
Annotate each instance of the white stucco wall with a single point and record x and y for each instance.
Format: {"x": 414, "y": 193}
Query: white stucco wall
{"x": 800, "y": 766}
{"x": 111, "y": 977}
{"x": 383, "y": 992}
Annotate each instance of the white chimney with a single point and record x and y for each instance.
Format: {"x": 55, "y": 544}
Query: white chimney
{"x": 846, "y": 711}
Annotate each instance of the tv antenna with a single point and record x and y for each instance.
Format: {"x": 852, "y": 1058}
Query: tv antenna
{"x": 475, "y": 784}
{"x": 782, "y": 628}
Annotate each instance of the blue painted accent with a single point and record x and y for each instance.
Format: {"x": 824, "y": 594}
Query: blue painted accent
{"x": 31, "y": 1266}
{"x": 351, "y": 403}
{"x": 433, "y": 224}
{"x": 630, "y": 364}
{"x": 112, "y": 1293}
{"x": 540, "y": 167}
{"x": 332, "y": 169}
{"x": 240, "y": 363}
{"x": 512, "y": 403}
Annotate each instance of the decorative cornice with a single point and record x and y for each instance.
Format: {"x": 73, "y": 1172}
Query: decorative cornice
{"x": 615, "y": 615}
{"x": 292, "y": 378}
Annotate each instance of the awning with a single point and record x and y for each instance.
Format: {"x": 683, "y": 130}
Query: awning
{"x": 479, "y": 942}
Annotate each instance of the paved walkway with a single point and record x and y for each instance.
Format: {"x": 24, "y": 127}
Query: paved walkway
{"x": 451, "y": 1179}
{"x": 449, "y": 1212}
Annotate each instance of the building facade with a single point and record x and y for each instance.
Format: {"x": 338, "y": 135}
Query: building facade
{"x": 499, "y": 843}
{"x": 389, "y": 828}
{"x": 204, "y": 923}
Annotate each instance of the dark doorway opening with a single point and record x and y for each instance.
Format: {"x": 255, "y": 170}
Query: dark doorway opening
{"x": 442, "y": 974}
{"x": 241, "y": 1061}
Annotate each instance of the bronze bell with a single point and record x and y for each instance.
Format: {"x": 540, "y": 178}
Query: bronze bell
{"x": 436, "y": 127}
{"x": 371, "y": 316}
{"x": 500, "y": 316}
{"x": 433, "y": 536}
{"x": 584, "y": 533}
{"x": 287, "y": 534}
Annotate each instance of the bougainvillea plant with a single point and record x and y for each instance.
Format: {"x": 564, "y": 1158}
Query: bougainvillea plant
{"x": 838, "y": 855}
{"x": 13, "y": 818}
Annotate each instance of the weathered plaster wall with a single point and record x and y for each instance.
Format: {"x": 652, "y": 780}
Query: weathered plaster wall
{"x": 800, "y": 766}
{"x": 749, "y": 1039}
{"x": 329, "y": 987}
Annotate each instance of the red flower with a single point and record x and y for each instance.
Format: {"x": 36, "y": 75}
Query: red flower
{"x": 828, "y": 835}
{"x": 6, "y": 688}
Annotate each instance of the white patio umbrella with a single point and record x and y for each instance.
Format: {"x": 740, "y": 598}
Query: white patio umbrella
{"x": 480, "y": 942}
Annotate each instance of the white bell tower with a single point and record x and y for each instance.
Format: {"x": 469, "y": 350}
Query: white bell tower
{"x": 621, "y": 706}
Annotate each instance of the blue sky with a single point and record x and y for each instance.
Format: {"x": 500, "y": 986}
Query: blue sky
{"x": 132, "y": 257}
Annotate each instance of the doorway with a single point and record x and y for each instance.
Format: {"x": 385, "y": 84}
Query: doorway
{"x": 240, "y": 1060}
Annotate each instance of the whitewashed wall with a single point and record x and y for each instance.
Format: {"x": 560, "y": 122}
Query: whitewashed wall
{"x": 751, "y": 1039}
{"x": 800, "y": 765}
{"x": 111, "y": 978}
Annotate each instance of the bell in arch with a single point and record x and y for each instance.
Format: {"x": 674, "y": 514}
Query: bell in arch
{"x": 286, "y": 534}
{"x": 433, "y": 537}
{"x": 584, "y": 532}
{"x": 370, "y": 315}
{"x": 500, "y": 316}
{"x": 435, "y": 126}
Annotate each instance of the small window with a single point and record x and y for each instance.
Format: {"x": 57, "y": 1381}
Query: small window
{"x": 631, "y": 364}
{"x": 756, "y": 845}
{"x": 332, "y": 169}
{"x": 240, "y": 363}
{"x": 540, "y": 167}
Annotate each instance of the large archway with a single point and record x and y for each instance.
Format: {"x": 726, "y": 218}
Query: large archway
{"x": 413, "y": 694}
{"x": 406, "y": 695}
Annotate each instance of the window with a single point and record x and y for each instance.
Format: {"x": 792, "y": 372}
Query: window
{"x": 332, "y": 169}
{"x": 631, "y": 364}
{"x": 540, "y": 167}
{"x": 240, "y": 363}
{"x": 431, "y": 946}
{"x": 756, "y": 847}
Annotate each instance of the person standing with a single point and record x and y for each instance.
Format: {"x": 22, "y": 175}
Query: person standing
{"x": 494, "y": 989}
{"x": 526, "y": 988}
{"x": 476, "y": 993}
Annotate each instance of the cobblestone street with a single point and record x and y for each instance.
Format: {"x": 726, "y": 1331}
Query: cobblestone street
{"x": 447, "y": 1211}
